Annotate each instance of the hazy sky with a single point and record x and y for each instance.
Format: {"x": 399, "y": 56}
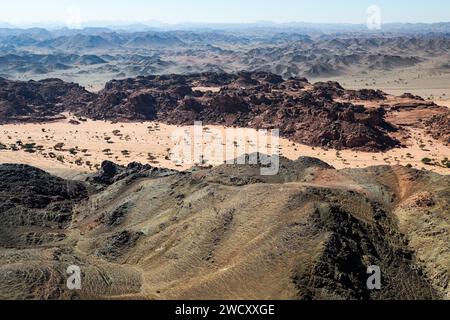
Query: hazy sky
{"x": 175, "y": 11}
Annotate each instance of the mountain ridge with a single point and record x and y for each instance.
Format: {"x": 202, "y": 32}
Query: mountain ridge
{"x": 304, "y": 243}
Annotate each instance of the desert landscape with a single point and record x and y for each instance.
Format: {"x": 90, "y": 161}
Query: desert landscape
{"x": 89, "y": 176}
{"x": 76, "y": 139}
{"x": 397, "y": 60}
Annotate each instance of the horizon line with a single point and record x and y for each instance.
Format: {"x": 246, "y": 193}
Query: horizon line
{"x": 151, "y": 23}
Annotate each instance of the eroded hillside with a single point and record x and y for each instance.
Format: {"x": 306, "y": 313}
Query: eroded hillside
{"x": 309, "y": 232}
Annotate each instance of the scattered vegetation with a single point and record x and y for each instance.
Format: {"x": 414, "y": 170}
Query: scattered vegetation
{"x": 29, "y": 147}
{"x": 73, "y": 151}
{"x": 446, "y": 163}
{"x": 59, "y": 146}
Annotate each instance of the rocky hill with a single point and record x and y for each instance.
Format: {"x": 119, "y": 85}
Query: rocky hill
{"x": 35, "y": 101}
{"x": 305, "y": 113}
{"x": 320, "y": 114}
{"x": 141, "y": 232}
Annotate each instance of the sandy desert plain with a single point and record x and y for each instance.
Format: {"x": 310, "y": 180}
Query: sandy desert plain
{"x": 70, "y": 151}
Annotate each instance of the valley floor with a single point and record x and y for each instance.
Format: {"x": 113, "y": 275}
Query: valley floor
{"x": 70, "y": 150}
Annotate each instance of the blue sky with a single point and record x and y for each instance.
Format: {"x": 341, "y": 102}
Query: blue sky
{"x": 233, "y": 11}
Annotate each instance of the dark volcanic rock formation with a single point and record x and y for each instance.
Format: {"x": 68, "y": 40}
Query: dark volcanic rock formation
{"x": 35, "y": 203}
{"x": 256, "y": 100}
{"x": 110, "y": 172}
{"x": 39, "y": 100}
{"x": 316, "y": 115}
{"x": 116, "y": 105}
{"x": 439, "y": 127}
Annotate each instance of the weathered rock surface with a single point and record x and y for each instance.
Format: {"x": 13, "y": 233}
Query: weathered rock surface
{"x": 439, "y": 127}
{"x": 35, "y": 101}
{"x": 323, "y": 114}
{"x": 33, "y": 200}
{"x": 309, "y": 232}
{"x": 110, "y": 172}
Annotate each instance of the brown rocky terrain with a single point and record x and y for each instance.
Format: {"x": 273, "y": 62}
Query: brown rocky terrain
{"x": 439, "y": 127}
{"x": 305, "y": 113}
{"x": 398, "y": 58}
{"x": 35, "y": 101}
{"x": 320, "y": 114}
{"x": 139, "y": 232}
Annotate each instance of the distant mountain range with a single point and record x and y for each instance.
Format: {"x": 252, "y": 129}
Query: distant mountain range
{"x": 267, "y": 25}
{"x": 289, "y": 50}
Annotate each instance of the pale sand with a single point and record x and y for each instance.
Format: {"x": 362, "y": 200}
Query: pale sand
{"x": 445, "y": 103}
{"x": 207, "y": 89}
{"x": 423, "y": 80}
{"x": 142, "y": 139}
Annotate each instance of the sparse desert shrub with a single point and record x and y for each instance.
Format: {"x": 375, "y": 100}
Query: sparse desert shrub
{"x": 59, "y": 146}
{"x": 427, "y": 161}
{"x": 29, "y": 147}
{"x": 446, "y": 163}
{"x": 73, "y": 151}
{"x": 79, "y": 162}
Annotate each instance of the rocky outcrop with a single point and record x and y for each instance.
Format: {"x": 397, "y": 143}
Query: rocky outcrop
{"x": 35, "y": 207}
{"x": 119, "y": 106}
{"x": 365, "y": 95}
{"x": 110, "y": 172}
{"x": 118, "y": 244}
{"x": 439, "y": 127}
{"x": 256, "y": 100}
{"x": 44, "y": 100}
{"x": 317, "y": 115}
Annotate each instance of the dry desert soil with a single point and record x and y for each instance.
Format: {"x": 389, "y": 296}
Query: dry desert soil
{"x": 69, "y": 150}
